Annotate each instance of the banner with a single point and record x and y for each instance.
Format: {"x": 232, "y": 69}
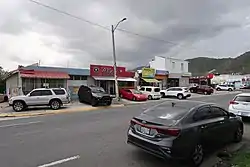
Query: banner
{"x": 148, "y": 73}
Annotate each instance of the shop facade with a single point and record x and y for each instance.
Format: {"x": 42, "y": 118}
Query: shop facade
{"x": 201, "y": 80}
{"x": 103, "y": 76}
{"x": 147, "y": 77}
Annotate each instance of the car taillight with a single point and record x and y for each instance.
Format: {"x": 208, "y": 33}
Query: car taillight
{"x": 233, "y": 102}
{"x": 169, "y": 132}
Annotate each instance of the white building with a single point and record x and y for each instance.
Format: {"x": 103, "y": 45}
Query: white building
{"x": 177, "y": 68}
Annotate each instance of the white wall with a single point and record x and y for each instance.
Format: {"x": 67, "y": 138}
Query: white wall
{"x": 158, "y": 63}
{"x": 13, "y": 85}
{"x": 176, "y": 65}
{"x": 90, "y": 81}
{"x": 169, "y": 64}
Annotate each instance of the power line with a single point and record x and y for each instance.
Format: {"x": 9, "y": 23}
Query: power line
{"x": 106, "y": 28}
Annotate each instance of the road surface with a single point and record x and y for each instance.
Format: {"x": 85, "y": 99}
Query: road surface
{"x": 89, "y": 139}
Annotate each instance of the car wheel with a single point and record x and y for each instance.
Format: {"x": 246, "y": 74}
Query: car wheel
{"x": 18, "y": 106}
{"x": 134, "y": 99}
{"x": 180, "y": 96}
{"x": 93, "y": 102}
{"x": 108, "y": 103}
{"x": 121, "y": 96}
{"x": 218, "y": 89}
{"x": 55, "y": 104}
{"x": 230, "y": 89}
{"x": 238, "y": 134}
{"x": 191, "y": 90}
{"x": 5, "y": 98}
{"x": 205, "y": 93}
{"x": 197, "y": 155}
{"x": 162, "y": 94}
{"x": 150, "y": 97}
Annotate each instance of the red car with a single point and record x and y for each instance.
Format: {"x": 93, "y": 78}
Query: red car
{"x": 132, "y": 94}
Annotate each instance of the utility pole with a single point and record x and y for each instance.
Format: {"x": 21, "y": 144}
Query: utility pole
{"x": 114, "y": 57}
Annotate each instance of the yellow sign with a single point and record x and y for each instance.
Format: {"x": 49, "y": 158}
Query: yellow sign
{"x": 148, "y": 73}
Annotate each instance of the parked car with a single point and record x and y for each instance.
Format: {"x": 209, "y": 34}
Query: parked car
{"x": 225, "y": 87}
{"x": 132, "y": 94}
{"x": 152, "y": 92}
{"x": 94, "y": 95}
{"x": 204, "y": 89}
{"x": 53, "y": 97}
{"x": 178, "y": 92}
{"x": 3, "y": 98}
{"x": 240, "y": 105}
{"x": 183, "y": 130}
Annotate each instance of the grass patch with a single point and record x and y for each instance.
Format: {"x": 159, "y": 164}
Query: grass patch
{"x": 241, "y": 159}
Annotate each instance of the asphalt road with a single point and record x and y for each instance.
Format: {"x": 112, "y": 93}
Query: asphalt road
{"x": 89, "y": 139}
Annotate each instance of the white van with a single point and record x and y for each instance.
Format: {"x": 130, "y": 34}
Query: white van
{"x": 152, "y": 92}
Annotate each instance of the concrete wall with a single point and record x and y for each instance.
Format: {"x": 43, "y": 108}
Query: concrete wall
{"x": 184, "y": 81}
{"x": 176, "y": 65}
{"x": 14, "y": 85}
{"x": 158, "y": 63}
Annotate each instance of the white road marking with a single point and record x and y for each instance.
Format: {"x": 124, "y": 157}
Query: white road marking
{"x": 20, "y": 124}
{"x": 60, "y": 161}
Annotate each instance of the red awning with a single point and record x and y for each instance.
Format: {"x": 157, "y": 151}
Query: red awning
{"x": 43, "y": 74}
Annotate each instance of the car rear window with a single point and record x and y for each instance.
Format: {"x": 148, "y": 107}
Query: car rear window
{"x": 242, "y": 98}
{"x": 59, "y": 91}
{"x": 157, "y": 89}
{"x": 167, "y": 112}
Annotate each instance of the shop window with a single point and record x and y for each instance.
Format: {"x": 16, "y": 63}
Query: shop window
{"x": 71, "y": 77}
{"x": 77, "y": 77}
{"x": 84, "y": 77}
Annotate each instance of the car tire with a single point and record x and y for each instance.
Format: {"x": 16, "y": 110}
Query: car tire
{"x": 238, "y": 135}
{"x": 230, "y": 90}
{"x": 197, "y": 155}
{"x": 121, "y": 96}
{"x": 134, "y": 99}
{"x": 191, "y": 90}
{"x": 55, "y": 104}
{"x": 109, "y": 103}
{"x": 205, "y": 93}
{"x": 94, "y": 102}
{"x": 162, "y": 94}
{"x": 218, "y": 89}
{"x": 180, "y": 96}
{"x": 18, "y": 106}
{"x": 5, "y": 98}
{"x": 150, "y": 97}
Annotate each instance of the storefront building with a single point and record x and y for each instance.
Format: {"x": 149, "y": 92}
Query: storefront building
{"x": 147, "y": 77}
{"x": 202, "y": 80}
{"x": 103, "y": 76}
{"x": 25, "y": 79}
{"x": 176, "y": 69}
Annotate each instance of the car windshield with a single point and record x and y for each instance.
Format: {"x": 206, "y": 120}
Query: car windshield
{"x": 97, "y": 90}
{"x": 136, "y": 91}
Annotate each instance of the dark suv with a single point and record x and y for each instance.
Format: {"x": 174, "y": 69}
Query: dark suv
{"x": 94, "y": 95}
{"x": 204, "y": 89}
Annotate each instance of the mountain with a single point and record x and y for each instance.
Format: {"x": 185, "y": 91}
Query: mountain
{"x": 201, "y": 65}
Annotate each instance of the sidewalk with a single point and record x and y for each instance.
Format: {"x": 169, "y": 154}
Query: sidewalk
{"x": 4, "y": 105}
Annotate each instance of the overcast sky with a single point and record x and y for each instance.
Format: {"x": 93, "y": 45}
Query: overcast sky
{"x": 212, "y": 28}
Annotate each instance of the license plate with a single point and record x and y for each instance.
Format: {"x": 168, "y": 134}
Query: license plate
{"x": 145, "y": 130}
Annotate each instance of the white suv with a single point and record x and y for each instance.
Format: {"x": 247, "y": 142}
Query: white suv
{"x": 225, "y": 87}
{"x": 53, "y": 97}
{"x": 152, "y": 92}
{"x": 179, "y": 92}
{"x": 240, "y": 105}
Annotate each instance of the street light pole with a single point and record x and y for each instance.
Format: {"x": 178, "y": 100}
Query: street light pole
{"x": 114, "y": 58}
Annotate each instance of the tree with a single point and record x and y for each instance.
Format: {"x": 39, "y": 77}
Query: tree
{"x": 3, "y": 75}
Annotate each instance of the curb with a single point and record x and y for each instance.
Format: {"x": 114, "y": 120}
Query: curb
{"x": 50, "y": 112}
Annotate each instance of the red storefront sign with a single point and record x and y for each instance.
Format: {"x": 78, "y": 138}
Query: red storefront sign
{"x": 103, "y": 70}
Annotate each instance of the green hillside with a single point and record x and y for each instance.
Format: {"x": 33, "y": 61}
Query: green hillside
{"x": 201, "y": 65}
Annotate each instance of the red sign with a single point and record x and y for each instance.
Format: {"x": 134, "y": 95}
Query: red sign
{"x": 102, "y": 70}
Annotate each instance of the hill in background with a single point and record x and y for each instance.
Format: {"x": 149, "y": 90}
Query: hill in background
{"x": 201, "y": 65}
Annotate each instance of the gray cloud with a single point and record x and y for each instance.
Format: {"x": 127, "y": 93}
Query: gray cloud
{"x": 179, "y": 21}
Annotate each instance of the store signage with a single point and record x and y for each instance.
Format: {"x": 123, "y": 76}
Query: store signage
{"x": 162, "y": 72}
{"x": 102, "y": 70}
{"x": 148, "y": 73}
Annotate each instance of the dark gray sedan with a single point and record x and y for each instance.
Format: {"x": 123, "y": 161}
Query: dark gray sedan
{"x": 184, "y": 129}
